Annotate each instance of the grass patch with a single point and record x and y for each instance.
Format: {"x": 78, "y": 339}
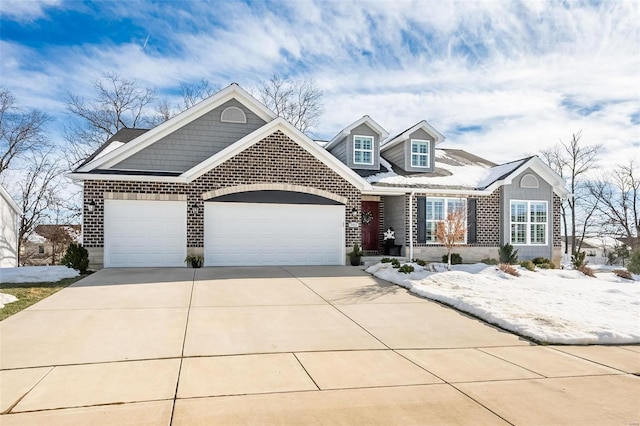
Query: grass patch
{"x": 30, "y": 293}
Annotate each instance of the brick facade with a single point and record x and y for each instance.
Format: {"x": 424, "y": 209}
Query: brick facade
{"x": 275, "y": 159}
{"x": 487, "y": 219}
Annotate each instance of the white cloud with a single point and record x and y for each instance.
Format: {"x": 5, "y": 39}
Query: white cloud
{"x": 26, "y": 10}
{"x": 518, "y": 71}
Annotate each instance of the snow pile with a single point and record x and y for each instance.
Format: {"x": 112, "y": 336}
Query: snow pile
{"x": 553, "y": 306}
{"x": 6, "y": 298}
{"x": 35, "y": 274}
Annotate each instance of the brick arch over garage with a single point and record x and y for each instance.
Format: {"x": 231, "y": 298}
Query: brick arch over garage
{"x": 274, "y": 187}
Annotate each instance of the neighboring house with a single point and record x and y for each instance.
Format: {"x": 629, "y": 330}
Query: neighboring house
{"x": 48, "y": 244}
{"x": 229, "y": 180}
{"x": 598, "y": 248}
{"x": 9, "y": 215}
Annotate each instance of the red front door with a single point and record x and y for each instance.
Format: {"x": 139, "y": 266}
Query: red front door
{"x": 370, "y": 225}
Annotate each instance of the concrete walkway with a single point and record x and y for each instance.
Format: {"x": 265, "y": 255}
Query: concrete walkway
{"x": 293, "y": 345}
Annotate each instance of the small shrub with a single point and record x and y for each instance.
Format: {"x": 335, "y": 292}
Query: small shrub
{"x": 529, "y": 265}
{"x": 194, "y": 261}
{"x": 356, "y": 251}
{"x": 541, "y": 260}
{"x": 420, "y": 262}
{"x": 406, "y": 269}
{"x": 623, "y": 274}
{"x": 578, "y": 259}
{"x": 456, "y": 259}
{"x": 386, "y": 260}
{"x": 634, "y": 262}
{"x": 507, "y": 254}
{"x": 586, "y": 270}
{"x": 508, "y": 269}
{"x": 395, "y": 263}
{"x": 76, "y": 257}
{"x": 546, "y": 266}
{"x": 489, "y": 261}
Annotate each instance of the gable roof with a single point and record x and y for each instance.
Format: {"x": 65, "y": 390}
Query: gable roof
{"x": 233, "y": 91}
{"x": 364, "y": 120}
{"x": 424, "y": 125}
{"x": 121, "y": 136}
{"x": 279, "y": 124}
{"x": 14, "y": 206}
{"x": 458, "y": 172}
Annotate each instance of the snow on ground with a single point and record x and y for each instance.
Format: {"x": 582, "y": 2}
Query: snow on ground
{"x": 6, "y": 298}
{"x": 553, "y": 306}
{"x": 34, "y": 274}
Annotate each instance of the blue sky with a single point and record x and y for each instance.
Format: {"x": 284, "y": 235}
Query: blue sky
{"x": 502, "y": 79}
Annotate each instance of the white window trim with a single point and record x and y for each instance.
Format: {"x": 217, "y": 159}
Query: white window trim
{"x": 243, "y": 120}
{"x": 446, "y": 208}
{"x": 363, "y": 150}
{"x": 427, "y": 154}
{"x": 528, "y": 223}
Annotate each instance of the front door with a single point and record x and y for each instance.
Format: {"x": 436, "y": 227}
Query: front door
{"x": 370, "y": 225}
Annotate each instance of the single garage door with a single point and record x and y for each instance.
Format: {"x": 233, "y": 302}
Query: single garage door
{"x": 273, "y": 234}
{"x": 145, "y": 233}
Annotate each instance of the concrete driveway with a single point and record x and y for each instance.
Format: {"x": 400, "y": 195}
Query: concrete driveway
{"x": 292, "y": 345}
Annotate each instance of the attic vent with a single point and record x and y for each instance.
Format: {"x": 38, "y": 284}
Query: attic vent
{"x": 529, "y": 181}
{"x": 233, "y": 114}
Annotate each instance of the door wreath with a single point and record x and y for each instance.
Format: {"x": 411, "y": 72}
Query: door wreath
{"x": 367, "y": 217}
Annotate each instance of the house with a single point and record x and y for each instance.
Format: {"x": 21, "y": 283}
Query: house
{"x": 229, "y": 180}
{"x": 599, "y": 249}
{"x": 48, "y": 244}
{"x": 9, "y": 215}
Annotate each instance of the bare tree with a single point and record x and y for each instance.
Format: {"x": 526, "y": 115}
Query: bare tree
{"x": 21, "y": 132}
{"x": 196, "y": 92}
{"x": 299, "y": 102}
{"x": 191, "y": 95}
{"x": 572, "y": 161}
{"x": 38, "y": 193}
{"x": 618, "y": 196}
{"x": 450, "y": 231}
{"x": 118, "y": 104}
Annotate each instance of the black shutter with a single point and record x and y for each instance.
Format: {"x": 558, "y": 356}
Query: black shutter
{"x": 472, "y": 229}
{"x": 422, "y": 219}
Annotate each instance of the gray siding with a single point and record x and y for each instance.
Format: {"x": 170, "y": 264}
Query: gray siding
{"x": 339, "y": 151}
{"x": 395, "y": 155}
{"x": 400, "y": 154}
{"x": 363, "y": 130}
{"x": 513, "y": 191}
{"x": 193, "y": 143}
{"x": 394, "y": 216}
{"x": 422, "y": 135}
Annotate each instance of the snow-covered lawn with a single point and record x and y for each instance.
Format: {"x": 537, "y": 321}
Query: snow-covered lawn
{"x": 34, "y": 274}
{"x": 554, "y": 306}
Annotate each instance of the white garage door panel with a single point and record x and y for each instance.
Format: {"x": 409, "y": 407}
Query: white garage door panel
{"x": 145, "y": 233}
{"x": 273, "y": 234}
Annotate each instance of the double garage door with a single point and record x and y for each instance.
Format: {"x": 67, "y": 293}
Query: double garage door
{"x": 154, "y": 233}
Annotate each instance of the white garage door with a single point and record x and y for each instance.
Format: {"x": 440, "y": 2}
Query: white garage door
{"x": 145, "y": 233}
{"x": 273, "y": 234}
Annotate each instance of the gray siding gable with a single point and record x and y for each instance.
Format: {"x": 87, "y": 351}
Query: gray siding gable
{"x": 362, "y": 130}
{"x": 400, "y": 154}
{"x": 193, "y": 143}
{"x": 514, "y": 191}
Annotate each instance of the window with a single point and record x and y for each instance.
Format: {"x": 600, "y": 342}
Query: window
{"x": 233, "y": 114}
{"x": 41, "y": 249}
{"x": 529, "y": 222}
{"x": 435, "y": 212}
{"x": 420, "y": 153}
{"x": 363, "y": 150}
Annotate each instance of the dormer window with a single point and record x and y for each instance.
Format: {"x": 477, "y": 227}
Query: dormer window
{"x": 363, "y": 150}
{"x": 420, "y": 153}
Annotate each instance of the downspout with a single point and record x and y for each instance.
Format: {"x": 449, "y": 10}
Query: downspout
{"x": 411, "y": 194}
